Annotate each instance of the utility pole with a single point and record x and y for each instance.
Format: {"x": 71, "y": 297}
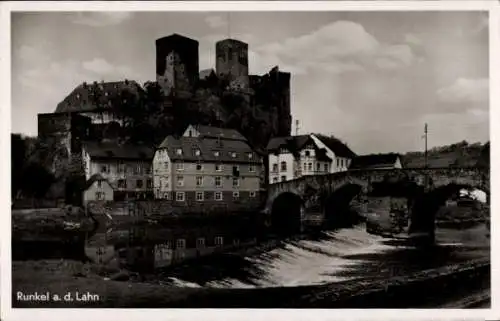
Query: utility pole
{"x": 425, "y": 137}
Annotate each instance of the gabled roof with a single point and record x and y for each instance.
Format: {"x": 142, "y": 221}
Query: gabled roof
{"x": 206, "y": 73}
{"x": 112, "y": 150}
{"x": 336, "y": 146}
{"x": 218, "y": 132}
{"x": 207, "y": 148}
{"x": 292, "y": 143}
{"x": 95, "y": 178}
{"x": 81, "y": 98}
{"x": 374, "y": 161}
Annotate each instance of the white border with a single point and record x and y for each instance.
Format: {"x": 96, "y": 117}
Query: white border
{"x": 241, "y": 314}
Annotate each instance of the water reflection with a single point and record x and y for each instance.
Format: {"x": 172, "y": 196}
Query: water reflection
{"x": 240, "y": 254}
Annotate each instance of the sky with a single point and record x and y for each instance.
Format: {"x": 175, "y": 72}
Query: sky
{"x": 372, "y": 79}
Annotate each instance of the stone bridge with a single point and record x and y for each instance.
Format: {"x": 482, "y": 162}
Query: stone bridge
{"x": 423, "y": 191}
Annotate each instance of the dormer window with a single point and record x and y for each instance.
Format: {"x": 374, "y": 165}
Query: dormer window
{"x": 283, "y": 151}
{"x": 179, "y": 151}
{"x": 250, "y": 155}
{"x": 106, "y": 94}
{"x": 233, "y": 154}
{"x": 216, "y": 154}
{"x": 197, "y": 152}
{"x": 77, "y": 96}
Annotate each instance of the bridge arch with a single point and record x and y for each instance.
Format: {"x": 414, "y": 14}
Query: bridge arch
{"x": 336, "y": 205}
{"x": 427, "y": 205}
{"x": 287, "y": 213}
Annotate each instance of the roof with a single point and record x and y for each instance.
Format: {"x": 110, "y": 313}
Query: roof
{"x": 218, "y": 132}
{"x": 374, "y": 161}
{"x": 112, "y": 150}
{"x": 176, "y": 36}
{"x": 207, "y": 147}
{"x": 291, "y": 142}
{"x": 206, "y": 73}
{"x": 336, "y": 146}
{"x": 95, "y": 178}
{"x": 81, "y": 98}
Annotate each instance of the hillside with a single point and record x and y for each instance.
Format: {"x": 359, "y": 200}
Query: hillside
{"x": 460, "y": 154}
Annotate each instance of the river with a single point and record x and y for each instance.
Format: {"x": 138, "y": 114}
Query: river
{"x": 240, "y": 256}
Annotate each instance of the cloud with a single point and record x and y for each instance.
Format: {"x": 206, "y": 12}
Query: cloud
{"x": 412, "y": 39}
{"x": 100, "y": 66}
{"x": 100, "y": 19}
{"x": 464, "y": 90}
{"x": 344, "y": 45}
{"x": 215, "y": 22}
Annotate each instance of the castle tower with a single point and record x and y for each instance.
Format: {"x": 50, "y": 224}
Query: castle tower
{"x": 177, "y": 64}
{"x": 232, "y": 62}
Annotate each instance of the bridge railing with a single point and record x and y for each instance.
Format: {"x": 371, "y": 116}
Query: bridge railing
{"x": 379, "y": 170}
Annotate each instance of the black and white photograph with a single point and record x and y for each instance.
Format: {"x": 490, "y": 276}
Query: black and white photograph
{"x": 275, "y": 159}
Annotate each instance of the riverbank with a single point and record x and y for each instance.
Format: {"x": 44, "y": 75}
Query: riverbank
{"x": 63, "y": 277}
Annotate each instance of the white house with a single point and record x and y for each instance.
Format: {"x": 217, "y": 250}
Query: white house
{"x": 295, "y": 156}
{"x": 377, "y": 161}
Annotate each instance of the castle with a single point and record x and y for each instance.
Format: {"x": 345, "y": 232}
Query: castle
{"x": 92, "y": 110}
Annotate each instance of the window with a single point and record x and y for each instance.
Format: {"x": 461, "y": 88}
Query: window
{"x": 99, "y": 196}
{"x": 308, "y": 153}
{"x": 318, "y": 167}
{"x": 218, "y": 168}
{"x": 236, "y": 182}
{"x": 236, "y": 195}
{"x": 216, "y": 154}
{"x": 236, "y": 241}
{"x": 236, "y": 170}
{"x": 251, "y": 168}
{"x": 218, "y": 181}
{"x": 283, "y": 151}
{"x": 219, "y": 240}
{"x": 179, "y": 196}
{"x": 326, "y": 167}
{"x": 200, "y": 242}
{"x": 197, "y": 152}
{"x": 310, "y": 166}
{"x": 305, "y": 166}
{"x": 104, "y": 169}
{"x": 190, "y": 133}
{"x": 179, "y": 151}
{"x": 252, "y": 194}
{"x": 283, "y": 178}
{"x": 218, "y": 196}
{"x": 275, "y": 180}
{"x": 122, "y": 183}
{"x": 149, "y": 183}
{"x": 199, "y": 196}
{"x": 338, "y": 162}
{"x": 275, "y": 167}
{"x": 121, "y": 167}
{"x": 148, "y": 169}
{"x": 283, "y": 166}
{"x": 106, "y": 94}
{"x": 181, "y": 243}
{"x": 250, "y": 155}
{"x": 199, "y": 167}
{"x": 179, "y": 166}
{"x": 233, "y": 154}
{"x": 138, "y": 184}
{"x": 166, "y": 195}
{"x": 180, "y": 180}
{"x": 199, "y": 180}
{"x": 99, "y": 184}
{"x": 166, "y": 165}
